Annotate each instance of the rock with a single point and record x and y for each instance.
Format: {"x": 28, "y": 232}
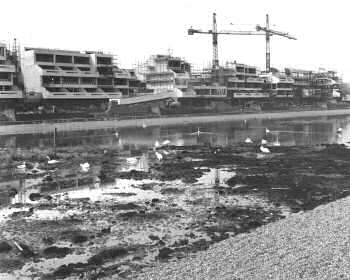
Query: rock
{"x": 27, "y": 252}
{"x": 63, "y": 271}
{"x": 153, "y": 237}
{"x": 106, "y": 230}
{"x": 164, "y": 253}
{"x": 5, "y": 247}
{"x": 108, "y": 254}
{"x": 125, "y": 206}
{"x": 181, "y": 242}
{"x": 161, "y": 242}
{"x": 35, "y": 196}
{"x": 56, "y": 252}
{"x": 79, "y": 238}
{"x": 48, "y": 240}
{"x": 11, "y": 264}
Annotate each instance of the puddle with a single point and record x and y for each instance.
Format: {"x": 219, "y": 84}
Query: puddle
{"x": 52, "y": 214}
{"x": 126, "y": 188}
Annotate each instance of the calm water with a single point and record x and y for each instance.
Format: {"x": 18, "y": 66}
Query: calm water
{"x": 135, "y": 142}
{"x": 306, "y": 131}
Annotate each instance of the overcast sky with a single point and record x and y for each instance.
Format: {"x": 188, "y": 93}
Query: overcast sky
{"x": 133, "y": 30}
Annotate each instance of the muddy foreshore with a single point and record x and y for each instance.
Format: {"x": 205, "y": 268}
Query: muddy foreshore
{"x": 129, "y": 212}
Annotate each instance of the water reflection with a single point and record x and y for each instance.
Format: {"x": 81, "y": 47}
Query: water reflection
{"x": 286, "y": 132}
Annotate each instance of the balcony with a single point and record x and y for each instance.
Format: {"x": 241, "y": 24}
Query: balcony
{"x": 12, "y": 94}
{"x": 254, "y": 80}
{"x": 235, "y": 80}
{"x": 6, "y": 82}
{"x": 7, "y": 68}
{"x": 250, "y": 95}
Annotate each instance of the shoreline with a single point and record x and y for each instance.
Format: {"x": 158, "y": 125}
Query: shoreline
{"x": 46, "y": 127}
{"x": 305, "y": 245}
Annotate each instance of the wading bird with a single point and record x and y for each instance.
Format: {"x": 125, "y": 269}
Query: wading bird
{"x": 85, "y": 166}
{"x": 22, "y": 166}
{"x": 51, "y": 161}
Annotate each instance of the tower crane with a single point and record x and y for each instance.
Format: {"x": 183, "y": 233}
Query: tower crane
{"x": 268, "y": 33}
{"x": 214, "y": 32}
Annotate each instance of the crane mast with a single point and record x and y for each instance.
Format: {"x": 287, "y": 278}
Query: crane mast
{"x": 265, "y": 31}
{"x": 268, "y": 33}
{"x": 267, "y": 39}
{"x": 215, "y": 44}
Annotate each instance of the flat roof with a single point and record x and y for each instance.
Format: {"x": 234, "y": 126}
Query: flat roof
{"x": 52, "y": 51}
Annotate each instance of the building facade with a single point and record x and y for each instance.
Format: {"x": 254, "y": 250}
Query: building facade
{"x": 69, "y": 75}
{"x": 9, "y": 90}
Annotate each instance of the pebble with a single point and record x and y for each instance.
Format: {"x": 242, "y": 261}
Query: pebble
{"x": 311, "y": 245}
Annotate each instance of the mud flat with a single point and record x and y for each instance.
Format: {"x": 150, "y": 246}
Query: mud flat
{"x": 85, "y": 125}
{"x": 131, "y": 212}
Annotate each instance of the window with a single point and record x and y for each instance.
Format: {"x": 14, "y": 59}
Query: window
{"x": 2, "y": 51}
{"x": 63, "y": 59}
{"x": 88, "y": 81}
{"x": 51, "y": 80}
{"x": 120, "y": 81}
{"x": 81, "y": 60}
{"x": 104, "y": 60}
{"x": 70, "y": 80}
{"x": 5, "y": 77}
{"x": 41, "y": 57}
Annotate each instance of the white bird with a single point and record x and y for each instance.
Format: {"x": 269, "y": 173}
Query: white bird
{"x": 144, "y": 125}
{"x": 248, "y": 140}
{"x": 267, "y": 130}
{"x": 159, "y": 156}
{"x": 165, "y": 142}
{"x": 339, "y": 130}
{"x": 264, "y": 150}
{"x": 85, "y": 166}
{"x": 165, "y": 152}
{"x": 156, "y": 144}
{"x": 131, "y": 160}
{"x": 263, "y": 142}
{"x": 51, "y": 161}
{"x": 116, "y": 134}
{"x": 22, "y": 166}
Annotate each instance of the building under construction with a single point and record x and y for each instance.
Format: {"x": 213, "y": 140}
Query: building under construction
{"x": 53, "y": 83}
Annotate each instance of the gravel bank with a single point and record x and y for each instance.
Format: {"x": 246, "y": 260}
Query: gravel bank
{"x": 312, "y": 245}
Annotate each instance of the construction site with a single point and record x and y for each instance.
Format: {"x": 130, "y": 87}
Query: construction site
{"x": 65, "y": 84}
